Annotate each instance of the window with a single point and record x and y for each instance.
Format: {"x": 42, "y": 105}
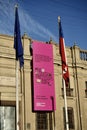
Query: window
{"x": 50, "y": 121}
{"x": 70, "y": 117}
{"x": 69, "y": 92}
{"x": 86, "y": 89}
{"x": 41, "y": 121}
{"x": 7, "y": 118}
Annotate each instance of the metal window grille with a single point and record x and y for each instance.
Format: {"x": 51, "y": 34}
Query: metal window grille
{"x": 70, "y": 117}
{"x": 69, "y": 92}
{"x": 41, "y": 121}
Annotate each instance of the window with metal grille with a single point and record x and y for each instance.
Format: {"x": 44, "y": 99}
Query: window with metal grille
{"x": 69, "y": 92}
{"x": 70, "y": 117}
{"x": 41, "y": 121}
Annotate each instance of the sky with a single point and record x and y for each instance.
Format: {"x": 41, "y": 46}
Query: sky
{"x": 39, "y": 20}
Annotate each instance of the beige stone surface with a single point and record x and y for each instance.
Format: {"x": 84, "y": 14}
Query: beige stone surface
{"x": 78, "y": 77}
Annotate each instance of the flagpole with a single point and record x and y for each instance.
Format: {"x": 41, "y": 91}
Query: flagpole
{"x": 65, "y": 104}
{"x": 17, "y": 96}
{"x": 17, "y": 81}
{"x": 65, "y": 72}
{"x": 19, "y": 58}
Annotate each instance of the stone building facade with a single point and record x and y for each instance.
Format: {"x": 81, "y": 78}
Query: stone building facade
{"x": 29, "y": 120}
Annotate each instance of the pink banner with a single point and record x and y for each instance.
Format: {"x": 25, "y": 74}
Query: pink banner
{"x": 43, "y": 77}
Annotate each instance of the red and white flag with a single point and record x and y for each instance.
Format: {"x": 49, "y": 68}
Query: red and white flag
{"x": 65, "y": 71}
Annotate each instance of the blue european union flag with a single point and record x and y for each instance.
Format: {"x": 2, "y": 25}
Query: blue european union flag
{"x": 17, "y": 39}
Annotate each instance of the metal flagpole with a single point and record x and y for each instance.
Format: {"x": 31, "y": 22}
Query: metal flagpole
{"x": 17, "y": 96}
{"x": 65, "y": 103}
{"x": 19, "y": 58}
{"x": 65, "y": 72}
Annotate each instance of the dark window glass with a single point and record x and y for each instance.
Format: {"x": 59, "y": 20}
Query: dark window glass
{"x": 70, "y": 117}
{"x": 69, "y": 92}
{"x": 41, "y": 121}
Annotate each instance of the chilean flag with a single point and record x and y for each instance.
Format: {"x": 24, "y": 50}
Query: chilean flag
{"x": 65, "y": 71}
